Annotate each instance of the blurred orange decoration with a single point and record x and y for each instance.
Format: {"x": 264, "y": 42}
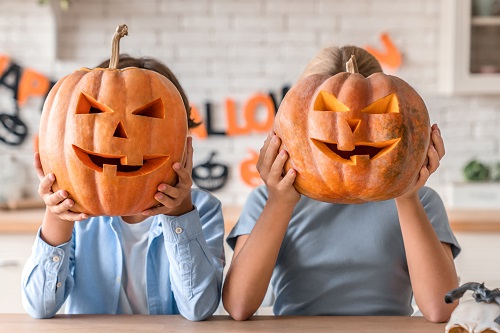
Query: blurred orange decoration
{"x": 390, "y": 57}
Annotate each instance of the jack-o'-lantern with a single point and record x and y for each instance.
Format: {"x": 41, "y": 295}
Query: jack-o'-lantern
{"x": 353, "y": 139}
{"x": 111, "y": 135}
{"x": 210, "y": 176}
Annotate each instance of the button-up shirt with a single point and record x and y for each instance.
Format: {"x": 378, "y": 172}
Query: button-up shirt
{"x": 184, "y": 265}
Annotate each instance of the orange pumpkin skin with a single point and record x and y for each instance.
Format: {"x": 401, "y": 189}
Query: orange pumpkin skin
{"x": 353, "y": 139}
{"x": 110, "y": 136}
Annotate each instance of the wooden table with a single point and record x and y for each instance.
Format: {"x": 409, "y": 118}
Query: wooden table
{"x": 217, "y": 324}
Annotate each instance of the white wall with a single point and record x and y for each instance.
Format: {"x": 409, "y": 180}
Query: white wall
{"x": 235, "y": 48}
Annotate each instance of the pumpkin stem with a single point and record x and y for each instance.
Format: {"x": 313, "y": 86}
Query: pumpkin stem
{"x": 351, "y": 66}
{"x": 121, "y": 31}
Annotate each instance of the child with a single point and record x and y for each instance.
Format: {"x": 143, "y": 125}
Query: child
{"x": 167, "y": 260}
{"x": 332, "y": 259}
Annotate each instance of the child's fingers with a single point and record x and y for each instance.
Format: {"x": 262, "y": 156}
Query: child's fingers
{"x": 165, "y": 201}
{"x": 437, "y": 141}
{"x": 278, "y": 165}
{"x": 263, "y": 149}
{"x": 423, "y": 176}
{"x": 433, "y": 157}
{"x": 55, "y": 198}
{"x": 73, "y": 217}
{"x": 265, "y": 156}
{"x": 189, "y": 155}
{"x": 46, "y": 183}
{"x": 62, "y": 207}
{"x": 38, "y": 166}
{"x": 184, "y": 175}
{"x": 289, "y": 177}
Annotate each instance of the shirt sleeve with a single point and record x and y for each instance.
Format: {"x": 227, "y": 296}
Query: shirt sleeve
{"x": 436, "y": 212}
{"x": 46, "y": 278}
{"x": 250, "y": 213}
{"x": 194, "y": 246}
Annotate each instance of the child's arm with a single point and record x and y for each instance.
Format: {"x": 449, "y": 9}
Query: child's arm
{"x": 255, "y": 255}
{"x": 45, "y": 279}
{"x": 430, "y": 262}
{"x": 194, "y": 242}
{"x": 194, "y": 246}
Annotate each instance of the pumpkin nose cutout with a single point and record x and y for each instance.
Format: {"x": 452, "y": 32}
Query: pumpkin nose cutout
{"x": 353, "y": 124}
{"x": 120, "y": 131}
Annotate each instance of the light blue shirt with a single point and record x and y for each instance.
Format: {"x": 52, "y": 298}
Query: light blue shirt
{"x": 343, "y": 259}
{"x": 185, "y": 260}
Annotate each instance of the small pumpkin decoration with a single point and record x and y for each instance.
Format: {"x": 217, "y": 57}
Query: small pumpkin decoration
{"x": 353, "y": 139}
{"x": 111, "y": 135}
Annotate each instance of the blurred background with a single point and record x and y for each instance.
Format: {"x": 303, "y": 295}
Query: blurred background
{"x": 235, "y": 59}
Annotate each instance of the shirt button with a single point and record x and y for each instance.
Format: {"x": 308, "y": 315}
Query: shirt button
{"x": 59, "y": 284}
{"x": 178, "y": 230}
{"x": 56, "y": 258}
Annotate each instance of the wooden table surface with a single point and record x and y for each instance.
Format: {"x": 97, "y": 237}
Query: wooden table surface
{"x": 216, "y": 324}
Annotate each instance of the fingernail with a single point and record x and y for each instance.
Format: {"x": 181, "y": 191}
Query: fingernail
{"x": 162, "y": 187}
{"x": 275, "y": 139}
{"x": 282, "y": 153}
{"x": 159, "y": 196}
{"x": 51, "y": 176}
{"x": 177, "y": 166}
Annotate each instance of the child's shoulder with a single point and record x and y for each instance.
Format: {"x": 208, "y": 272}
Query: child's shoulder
{"x": 427, "y": 193}
{"x": 202, "y": 196}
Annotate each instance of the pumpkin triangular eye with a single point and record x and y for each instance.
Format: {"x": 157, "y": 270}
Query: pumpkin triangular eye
{"x": 387, "y": 104}
{"x": 88, "y": 105}
{"x": 328, "y": 102}
{"x": 153, "y": 109}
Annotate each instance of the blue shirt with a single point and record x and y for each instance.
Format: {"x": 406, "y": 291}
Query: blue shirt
{"x": 343, "y": 259}
{"x": 184, "y": 264}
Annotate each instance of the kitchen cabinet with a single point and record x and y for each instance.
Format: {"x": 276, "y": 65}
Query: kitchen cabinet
{"x": 469, "y": 58}
{"x": 14, "y": 251}
{"x": 478, "y": 261}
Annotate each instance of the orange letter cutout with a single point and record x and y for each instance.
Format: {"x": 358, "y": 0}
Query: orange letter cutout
{"x": 232, "y": 120}
{"x": 251, "y": 110}
{"x": 31, "y": 84}
{"x": 248, "y": 170}
{"x": 4, "y": 61}
{"x": 199, "y": 131}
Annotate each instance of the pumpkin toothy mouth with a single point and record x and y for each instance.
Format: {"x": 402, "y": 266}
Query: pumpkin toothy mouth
{"x": 371, "y": 150}
{"x": 116, "y": 164}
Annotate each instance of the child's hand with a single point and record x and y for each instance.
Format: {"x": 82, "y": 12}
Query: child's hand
{"x": 58, "y": 203}
{"x": 176, "y": 200}
{"x": 435, "y": 152}
{"x": 270, "y": 167}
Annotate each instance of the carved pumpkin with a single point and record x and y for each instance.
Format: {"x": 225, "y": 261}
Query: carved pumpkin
{"x": 353, "y": 139}
{"x": 111, "y": 135}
